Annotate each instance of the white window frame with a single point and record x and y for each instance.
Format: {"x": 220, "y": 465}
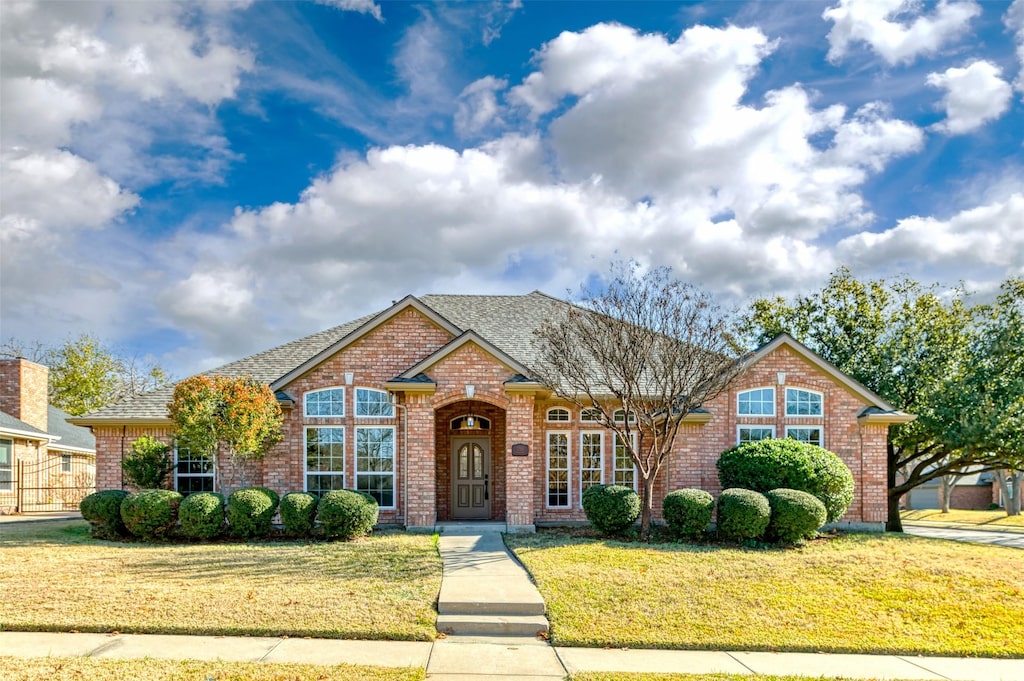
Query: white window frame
{"x": 590, "y": 415}
{"x": 383, "y": 474}
{"x": 819, "y": 395}
{"x": 751, "y": 426}
{"x": 564, "y": 410}
{"x": 374, "y": 391}
{"x": 619, "y": 416}
{"x": 632, "y": 465}
{"x": 305, "y": 458}
{"x": 212, "y": 475}
{"x": 740, "y": 395}
{"x": 584, "y": 484}
{"x": 65, "y": 463}
{"x": 821, "y": 433}
{"x": 318, "y": 391}
{"x": 8, "y": 466}
{"x": 568, "y": 468}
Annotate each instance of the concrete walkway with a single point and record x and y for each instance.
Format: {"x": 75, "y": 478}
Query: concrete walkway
{"x": 972, "y": 536}
{"x": 511, "y": 659}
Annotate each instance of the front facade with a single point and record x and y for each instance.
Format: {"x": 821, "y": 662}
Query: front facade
{"x": 429, "y": 406}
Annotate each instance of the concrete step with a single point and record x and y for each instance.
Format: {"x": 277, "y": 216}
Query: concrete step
{"x": 471, "y": 528}
{"x": 492, "y": 625}
{"x": 469, "y": 594}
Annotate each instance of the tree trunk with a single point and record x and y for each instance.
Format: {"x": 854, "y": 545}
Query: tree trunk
{"x": 1011, "y": 499}
{"x": 894, "y": 523}
{"x": 646, "y": 506}
{"x": 1016, "y": 477}
{"x": 948, "y": 481}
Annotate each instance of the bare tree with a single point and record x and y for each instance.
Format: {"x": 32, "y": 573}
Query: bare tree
{"x": 647, "y": 346}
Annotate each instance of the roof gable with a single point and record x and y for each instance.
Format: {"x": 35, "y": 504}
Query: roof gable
{"x": 461, "y": 341}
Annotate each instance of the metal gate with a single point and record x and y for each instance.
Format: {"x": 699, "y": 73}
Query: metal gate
{"x": 57, "y": 483}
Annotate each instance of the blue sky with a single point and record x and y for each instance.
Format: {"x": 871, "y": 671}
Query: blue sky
{"x": 196, "y": 182}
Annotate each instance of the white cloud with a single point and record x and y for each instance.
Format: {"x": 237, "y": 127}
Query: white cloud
{"x": 362, "y": 6}
{"x": 478, "y": 107}
{"x": 975, "y": 95}
{"x": 1014, "y": 21}
{"x": 896, "y": 29}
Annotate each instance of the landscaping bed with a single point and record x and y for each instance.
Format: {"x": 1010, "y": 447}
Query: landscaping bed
{"x": 57, "y": 578}
{"x": 858, "y": 593}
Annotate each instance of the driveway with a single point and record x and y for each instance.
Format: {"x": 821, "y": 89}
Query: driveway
{"x": 972, "y": 536}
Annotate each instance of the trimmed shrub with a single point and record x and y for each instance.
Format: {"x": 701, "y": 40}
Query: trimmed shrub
{"x": 346, "y": 514}
{"x": 250, "y": 512}
{"x": 786, "y": 463}
{"x": 148, "y": 463}
{"x": 298, "y": 510}
{"x": 611, "y": 508}
{"x": 742, "y": 514}
{"x": 103, "y": 511}
{"x": 150, "y": 513}
{"x": 201, "y": 515}
{"x": 272, "y": 494}
{"x": 688, "y": 511}
{"x": 796, "y": 515}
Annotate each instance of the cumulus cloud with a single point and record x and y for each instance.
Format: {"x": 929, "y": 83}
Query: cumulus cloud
{"x": 975, "y": 95}
{"x": 1014, "y": 21}
{"x": 896, "y": 30}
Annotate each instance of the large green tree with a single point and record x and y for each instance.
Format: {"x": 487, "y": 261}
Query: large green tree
{"x": 86, "y": 374}
{"x": 240, "y": 416}
{"x": 915, "y": 346}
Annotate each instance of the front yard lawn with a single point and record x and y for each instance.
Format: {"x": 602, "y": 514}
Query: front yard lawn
{"x": 852, "y": 593}
{"x": 987, "y": 520}
{"x": 100, "y": 669}
{"x": 57, "y": 578}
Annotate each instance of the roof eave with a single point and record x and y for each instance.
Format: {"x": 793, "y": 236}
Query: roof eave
{"x": 887, "y": 418}
{"x": 120, "y": 421}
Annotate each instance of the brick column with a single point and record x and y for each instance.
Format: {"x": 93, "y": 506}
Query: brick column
{"x": 874, "y": 480}
{"x": 421, "y": 495}
{"x": 519, "y": 469}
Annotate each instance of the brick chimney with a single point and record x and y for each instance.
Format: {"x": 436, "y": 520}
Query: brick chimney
{"x": 23, "y": 391}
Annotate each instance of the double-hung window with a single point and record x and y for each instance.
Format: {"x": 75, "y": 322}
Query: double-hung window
{"x": 810, "y": 434}
{"x": 6, "y": 465}
{"x": 325, "y": 458}
{"x": 754, "y": 433}
{"x": 591, "y": 459}
{"x": 558, "y": 470}
{"x": 375, "y": 463}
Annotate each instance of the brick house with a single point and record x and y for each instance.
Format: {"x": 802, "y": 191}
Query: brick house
{"x": 429, "y": 406}
{"x": 56, "y": 459}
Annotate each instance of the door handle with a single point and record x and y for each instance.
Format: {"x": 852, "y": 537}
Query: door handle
{"x": 486, "y": 487}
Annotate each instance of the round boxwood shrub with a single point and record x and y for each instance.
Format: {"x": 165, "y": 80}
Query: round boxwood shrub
{"x": 346, "y": 514}
{"x": 272, "y": 494}
{"x": 103, "y": 511}
{"x": 786, "y": 463}
{"x": 688, "y": 511}
{"x": 298, "y": 510}
{"x": 796, "y": 515}
{"x": 201, "y": 515}
{"x": 250, "y": 512}
{"x": 150, "y": 513}
{"x": 611, "y": 508}
{"x": 742, "y": 514}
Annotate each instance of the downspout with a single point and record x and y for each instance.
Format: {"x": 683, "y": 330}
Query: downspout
{"x": 124, "y": 434}
{"x": 405, "y": 456}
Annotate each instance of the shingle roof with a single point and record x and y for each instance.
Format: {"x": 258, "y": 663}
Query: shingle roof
{"x": 11, "y": 424}
{"x": 70, "y": 435}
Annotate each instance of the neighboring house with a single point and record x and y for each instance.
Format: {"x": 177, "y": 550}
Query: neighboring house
{"x": 977, "y": 491}
{"x": 429, "y": 406}
{"x": 46, "y": 463}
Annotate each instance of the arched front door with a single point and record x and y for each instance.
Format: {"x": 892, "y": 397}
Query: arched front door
{"x": 471, "y": 473}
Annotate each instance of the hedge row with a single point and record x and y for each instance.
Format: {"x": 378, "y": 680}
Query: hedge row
{"x": 782, "y": 515}
{"x": 153, "y": 514}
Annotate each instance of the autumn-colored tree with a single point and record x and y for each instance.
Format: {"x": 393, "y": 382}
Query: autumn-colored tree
{"x": 239, "y": 416}
{"x": 641, "y": 352}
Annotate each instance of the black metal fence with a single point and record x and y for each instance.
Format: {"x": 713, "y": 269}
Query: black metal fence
{"x": 57, "y": 483}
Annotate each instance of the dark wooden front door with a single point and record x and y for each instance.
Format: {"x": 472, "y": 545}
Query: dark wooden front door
{"x": 471, "y": 484}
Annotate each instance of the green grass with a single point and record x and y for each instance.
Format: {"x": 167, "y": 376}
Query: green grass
{"x": 57, "y": 578}
{"x": 852, "y": 593}
{"x": 982, "y": 520}
{"x": 99, "y": 669}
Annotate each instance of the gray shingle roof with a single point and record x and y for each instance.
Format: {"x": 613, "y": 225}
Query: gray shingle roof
{"x": 70, "y": 435}
{"x": 9, "y": 423}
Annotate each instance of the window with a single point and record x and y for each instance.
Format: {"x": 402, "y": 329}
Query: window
{"x": 6, "y": 465}
{"x": 375, "y": 464}
{"x": 624, "y": 472}
{"x": 371, "y": 402}
{"x": 326, "y": 402}
{"x": 591, "y": 415}
{"x": 193, "y": 472}
{"x": 620, "y": 416}
{"x": 65, "y": 463}
{"x": 811, "y": 434}
{"x": 558, "y": 414}
{"x": 755, "y": 433}
{"x": 759, "y": 402}
{"x": 802, "y": 402}
{"x": 325, "y": 459}
{"x": 591, "y": 460}
{"x": 558, "y": 470}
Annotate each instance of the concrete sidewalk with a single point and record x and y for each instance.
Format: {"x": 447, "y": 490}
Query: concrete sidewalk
{"x": 470, "y": 659}
{"x": 965, "y": 534}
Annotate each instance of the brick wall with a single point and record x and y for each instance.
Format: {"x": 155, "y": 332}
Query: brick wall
{"x": 23, "y": 391}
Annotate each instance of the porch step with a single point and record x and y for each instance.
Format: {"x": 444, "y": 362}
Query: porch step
{"x": 492, "y": 625}
{"x": 454, "y": 527}
{"x": 472, "y": 594}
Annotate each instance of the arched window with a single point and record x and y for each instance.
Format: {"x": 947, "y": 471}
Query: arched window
{"x": 592, "y": 415}
{"x": 558, "y": 414}
{"x": 803, "y": 402}
{"x": 373, "y": 403}
{"x": 620, "y": 416}
{"x": 757, "y": 402}
{"x": 325, "y": 402}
